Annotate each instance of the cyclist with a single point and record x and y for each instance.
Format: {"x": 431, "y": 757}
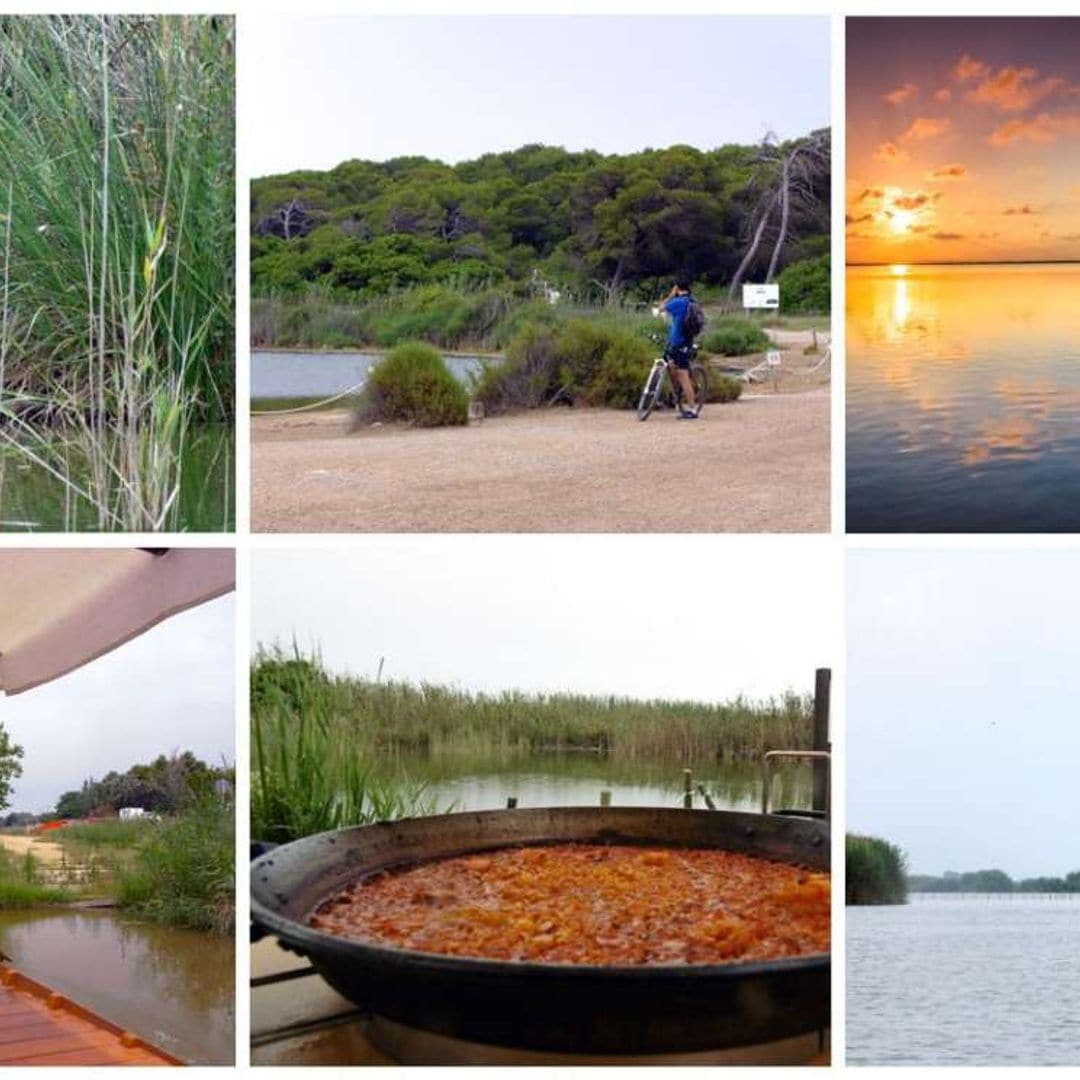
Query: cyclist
{"x": 679, "y": 348}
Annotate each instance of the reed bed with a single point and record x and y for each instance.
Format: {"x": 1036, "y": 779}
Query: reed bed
{"x": 116, "y": 269}
{"x": 182, "y": 872}
{"x": 876, "y": 871}
{"x": 324, "y": 746}
{"x": 375, "y": 716}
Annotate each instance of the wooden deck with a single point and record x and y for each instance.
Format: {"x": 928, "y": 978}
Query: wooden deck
{"x": 40, "y": 1027}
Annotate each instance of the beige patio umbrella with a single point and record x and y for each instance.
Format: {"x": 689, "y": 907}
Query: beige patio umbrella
{"x": 60, "y": 608}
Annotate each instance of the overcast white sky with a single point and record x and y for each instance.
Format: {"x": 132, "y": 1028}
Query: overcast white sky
{"x": 962, "y": 729}
{"x": 562, "y": 613}
{"x": 170, "y": 689}
{"x": 327, "y": 89}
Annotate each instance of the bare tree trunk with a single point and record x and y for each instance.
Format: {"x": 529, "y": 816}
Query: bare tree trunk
{"x": 785, "y": 213}
{"x": 748, "y": 258}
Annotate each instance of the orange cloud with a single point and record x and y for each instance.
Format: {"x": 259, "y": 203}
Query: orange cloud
{"x": 870, "y": 193}
{"x": 967, "y": 67}
{"x": 1023, "y": 211}
{"x": 948, "y": 172}
{"x": 948, "y": 236}
{"x": 1014, "y": 89}
{"x": 943, "y": 94}
{"x": 1044, "y": 128}
{"x": 912, "y": 201}
{"x": 891, "y": 153}
{"x": 926, "y": 127}
{"x": 850, "y": 220}
{"x": 902, "y": 94}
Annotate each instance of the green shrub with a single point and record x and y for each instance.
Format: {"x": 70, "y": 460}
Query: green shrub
{"x": 413, "y": 383}
{"x": 582, "y": 360}
{"x": 735, "y": 337}
{"x": 806, "y": 286}
{"x": 875, "y": 871}
{"x": 183, "y": 873}
{"x": 723, "y": 388}
{"x": 623, "y": 369}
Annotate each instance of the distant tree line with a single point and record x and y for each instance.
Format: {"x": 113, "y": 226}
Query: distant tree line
{"x": 992, "y": 881}
{"x": 594, "y": 226}
{"x": 165, "y": 785}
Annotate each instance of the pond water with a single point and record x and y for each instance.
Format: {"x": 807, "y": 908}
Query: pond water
{"x": 31, "y": 500}
{"x": 964, "y": 980}
{"x": 484, "y": 781}
{"x": 174, "y": 988}
{"x": 963, "y": 398}
{"x": 276, "y": 374}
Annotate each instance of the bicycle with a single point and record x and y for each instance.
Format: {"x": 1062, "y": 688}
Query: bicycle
{"x": 661, "y": 388}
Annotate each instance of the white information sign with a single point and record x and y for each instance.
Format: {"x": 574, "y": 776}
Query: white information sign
{"x": 761, "y": 296}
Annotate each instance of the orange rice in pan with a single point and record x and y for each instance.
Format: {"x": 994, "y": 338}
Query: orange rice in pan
{"x": 590, "y": 904}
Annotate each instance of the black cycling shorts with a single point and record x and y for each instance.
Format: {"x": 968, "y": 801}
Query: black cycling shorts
{"x": 679, "y": 355}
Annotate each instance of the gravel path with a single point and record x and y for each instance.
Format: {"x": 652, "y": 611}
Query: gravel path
{"x": 759, "y": 465}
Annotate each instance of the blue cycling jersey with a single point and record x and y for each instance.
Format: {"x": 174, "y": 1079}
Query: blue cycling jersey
{"x": 677, "y": 307}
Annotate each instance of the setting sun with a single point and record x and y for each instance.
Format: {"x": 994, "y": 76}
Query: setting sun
{"x": 964, "y": 146}
{"x": 901, "y": 221}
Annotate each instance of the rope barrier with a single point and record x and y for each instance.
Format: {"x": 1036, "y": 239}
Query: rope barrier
{"x": 307, "y": 408}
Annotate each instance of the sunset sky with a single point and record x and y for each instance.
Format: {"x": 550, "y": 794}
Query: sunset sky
{"x": 963, "y": 140}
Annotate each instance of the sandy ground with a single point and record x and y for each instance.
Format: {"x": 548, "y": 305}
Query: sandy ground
{"x": 44, "y": 850}
{"x": 758, "y": 465}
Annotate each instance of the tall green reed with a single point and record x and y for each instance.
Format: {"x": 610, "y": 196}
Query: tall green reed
{"x": 116, "y": 138}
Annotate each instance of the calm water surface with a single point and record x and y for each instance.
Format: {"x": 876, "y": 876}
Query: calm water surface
{"x": 964, "y": 980}
{"x": 276, "y": 374}
{"x": 486, "y": 781}
{"x": 172, "y": 987}
{"x": 32, "y": 500}
{"x": 963, "y": 398}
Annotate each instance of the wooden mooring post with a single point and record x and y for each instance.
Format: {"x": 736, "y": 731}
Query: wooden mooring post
{"x": 605, "y": 798}
{"x": 822, "y": 684}
{"x": 688, "y": 789}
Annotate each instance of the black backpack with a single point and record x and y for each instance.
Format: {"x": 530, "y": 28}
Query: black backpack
{"x": 693, "y": 321}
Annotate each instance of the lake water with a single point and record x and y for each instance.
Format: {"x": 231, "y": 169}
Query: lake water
{"x": 963, "y": 398}
{"x": 964, "y": 980}
{"x": 31, "y": 500}
{"x": 174, "y": 988}
{"x": 276, "y": 374}
{"x": 572, "y": 778}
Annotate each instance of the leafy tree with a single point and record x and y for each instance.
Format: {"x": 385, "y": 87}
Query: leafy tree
{"x": 10, "y": 766}
{"x": 591, "y": 222}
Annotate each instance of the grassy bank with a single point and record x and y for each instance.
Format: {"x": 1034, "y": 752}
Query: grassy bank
{"x": 116, "y": 234}
{"x": 178, "y": 871}
{"x": 21, "y": 885}
{"x": 876, "y": 871}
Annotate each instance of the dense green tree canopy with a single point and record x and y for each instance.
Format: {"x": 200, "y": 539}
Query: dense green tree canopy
{"x": 588, "y": 224}
{"x": 166, "y": 785}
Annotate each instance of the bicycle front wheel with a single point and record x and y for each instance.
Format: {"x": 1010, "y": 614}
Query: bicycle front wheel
{"x": 647, "y": 401}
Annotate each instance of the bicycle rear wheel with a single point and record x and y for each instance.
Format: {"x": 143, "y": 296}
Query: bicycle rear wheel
{"x": 647, "y": 401}
{"x": 699, "y": 379}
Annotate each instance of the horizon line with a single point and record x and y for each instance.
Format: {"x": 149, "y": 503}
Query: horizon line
{"x": 970, "y": 262}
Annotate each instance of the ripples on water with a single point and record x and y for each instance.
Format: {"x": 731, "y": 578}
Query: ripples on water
{"x": 965, "y": 980}
{"x": 963, "y": 398}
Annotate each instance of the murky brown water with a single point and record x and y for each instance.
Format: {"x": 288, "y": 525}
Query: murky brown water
{"x": 175, "y": 988}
